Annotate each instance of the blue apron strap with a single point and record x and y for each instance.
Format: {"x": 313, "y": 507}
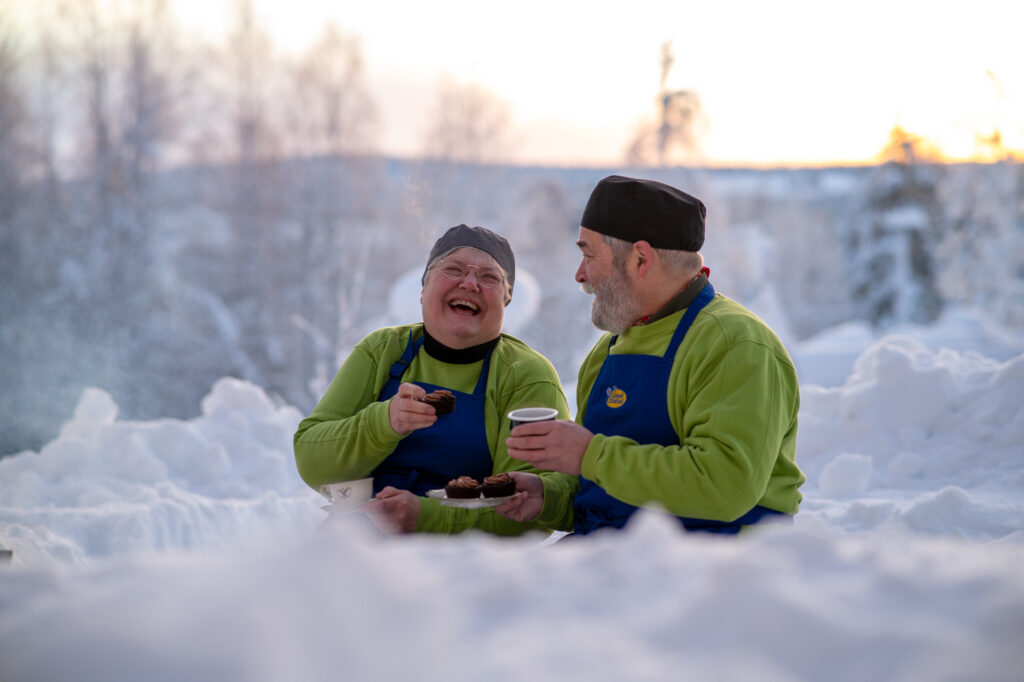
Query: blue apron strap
{"x": 703, "y": 298}
{"x": 413, "y": 347}
{"x": 397, "y": 370}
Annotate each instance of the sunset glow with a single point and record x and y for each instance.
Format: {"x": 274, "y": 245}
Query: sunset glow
{"x": 791, "y": 83}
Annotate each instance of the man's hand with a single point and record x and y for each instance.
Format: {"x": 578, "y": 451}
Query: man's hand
{"x": 393, "y": 511}
{"x": 528, "y": 500}
{"x": 552, "y": 445}
{"x": 407, "y": 413}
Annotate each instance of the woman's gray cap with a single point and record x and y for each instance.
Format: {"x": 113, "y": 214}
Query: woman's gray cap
{"x": 492, "y": 244}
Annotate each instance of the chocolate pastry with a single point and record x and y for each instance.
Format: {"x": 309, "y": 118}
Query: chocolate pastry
{"x": 463, "y": 487}
{"x": 442, "y": 400}
{"x": 499, "y": 485}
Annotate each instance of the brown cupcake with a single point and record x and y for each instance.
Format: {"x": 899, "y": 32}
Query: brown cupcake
{"x": 463, "y": 487}
{"x": 442, "y": 400}
{"x": 499, "y": 485}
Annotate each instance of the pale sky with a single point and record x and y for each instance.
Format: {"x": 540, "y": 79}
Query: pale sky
{"x": 787, "y": 82}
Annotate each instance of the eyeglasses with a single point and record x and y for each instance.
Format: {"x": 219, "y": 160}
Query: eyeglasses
{"x": 454, "y": 270}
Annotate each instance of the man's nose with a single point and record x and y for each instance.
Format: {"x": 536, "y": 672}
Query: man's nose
{"x": 580, "y": 275}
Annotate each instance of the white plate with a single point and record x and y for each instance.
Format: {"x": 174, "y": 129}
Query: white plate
{"x": 347, "y": 507}
{"x": 467, "y": 502}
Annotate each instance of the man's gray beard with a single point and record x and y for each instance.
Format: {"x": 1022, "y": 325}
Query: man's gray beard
{"x": 612, "y": 307}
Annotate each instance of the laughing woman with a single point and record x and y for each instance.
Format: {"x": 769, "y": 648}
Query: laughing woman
{"x": 373, "y": 421}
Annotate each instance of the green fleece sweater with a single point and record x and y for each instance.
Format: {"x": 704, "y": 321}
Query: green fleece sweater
{"x": 349, "y": 433}
{"x": 732, "y": 398}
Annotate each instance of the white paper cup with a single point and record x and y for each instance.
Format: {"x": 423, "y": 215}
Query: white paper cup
{"x": 348, "y": 494}
{"x": 526, "y": 415}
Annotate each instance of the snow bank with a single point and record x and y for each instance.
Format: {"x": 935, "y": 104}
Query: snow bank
{"x": 651, "y": 604}
{"x": 106, "y": 487}
{"x": 174, "y": 549}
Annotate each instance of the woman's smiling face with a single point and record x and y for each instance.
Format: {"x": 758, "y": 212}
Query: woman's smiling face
{"x": 461, "y": 313}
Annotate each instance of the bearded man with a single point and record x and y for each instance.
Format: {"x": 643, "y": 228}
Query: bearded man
{"x": 688, "y": 404}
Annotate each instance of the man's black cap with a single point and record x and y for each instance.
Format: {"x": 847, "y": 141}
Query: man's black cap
{"x": 634, "y": 210}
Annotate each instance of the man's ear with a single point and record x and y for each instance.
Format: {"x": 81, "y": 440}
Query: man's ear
{"x": 642, "y": 256}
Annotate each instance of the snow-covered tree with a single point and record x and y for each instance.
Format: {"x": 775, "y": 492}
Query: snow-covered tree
{"x": 889, "y": 241}
{"x": 674, "y": 135}
{"x": 982, "y": 252}
{"x": 331, "y": 120}
{"x": 14, "y": 161}
{"x": 468, "y": 124}
{"x": 329, "y": 110}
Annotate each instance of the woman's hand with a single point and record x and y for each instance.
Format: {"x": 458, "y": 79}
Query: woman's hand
{"x": 407, "y": 413}
{"x": 528, "y": 500}
{"x": 393, "y": 511}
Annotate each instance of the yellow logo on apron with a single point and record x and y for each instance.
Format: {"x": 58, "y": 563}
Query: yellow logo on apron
{"x": 616, "y": 397}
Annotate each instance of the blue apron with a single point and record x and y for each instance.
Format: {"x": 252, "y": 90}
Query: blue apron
{"x": 455, "y": 445}
{"x": 628, "y": 399}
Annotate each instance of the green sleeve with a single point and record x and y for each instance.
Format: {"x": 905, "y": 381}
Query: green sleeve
{"x": 733, "y": 409}
{"x": 348, "y": 433}
{"x": 557, "y": 512}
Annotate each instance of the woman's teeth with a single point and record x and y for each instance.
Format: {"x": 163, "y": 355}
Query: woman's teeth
{"x": 464, "y": 305}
